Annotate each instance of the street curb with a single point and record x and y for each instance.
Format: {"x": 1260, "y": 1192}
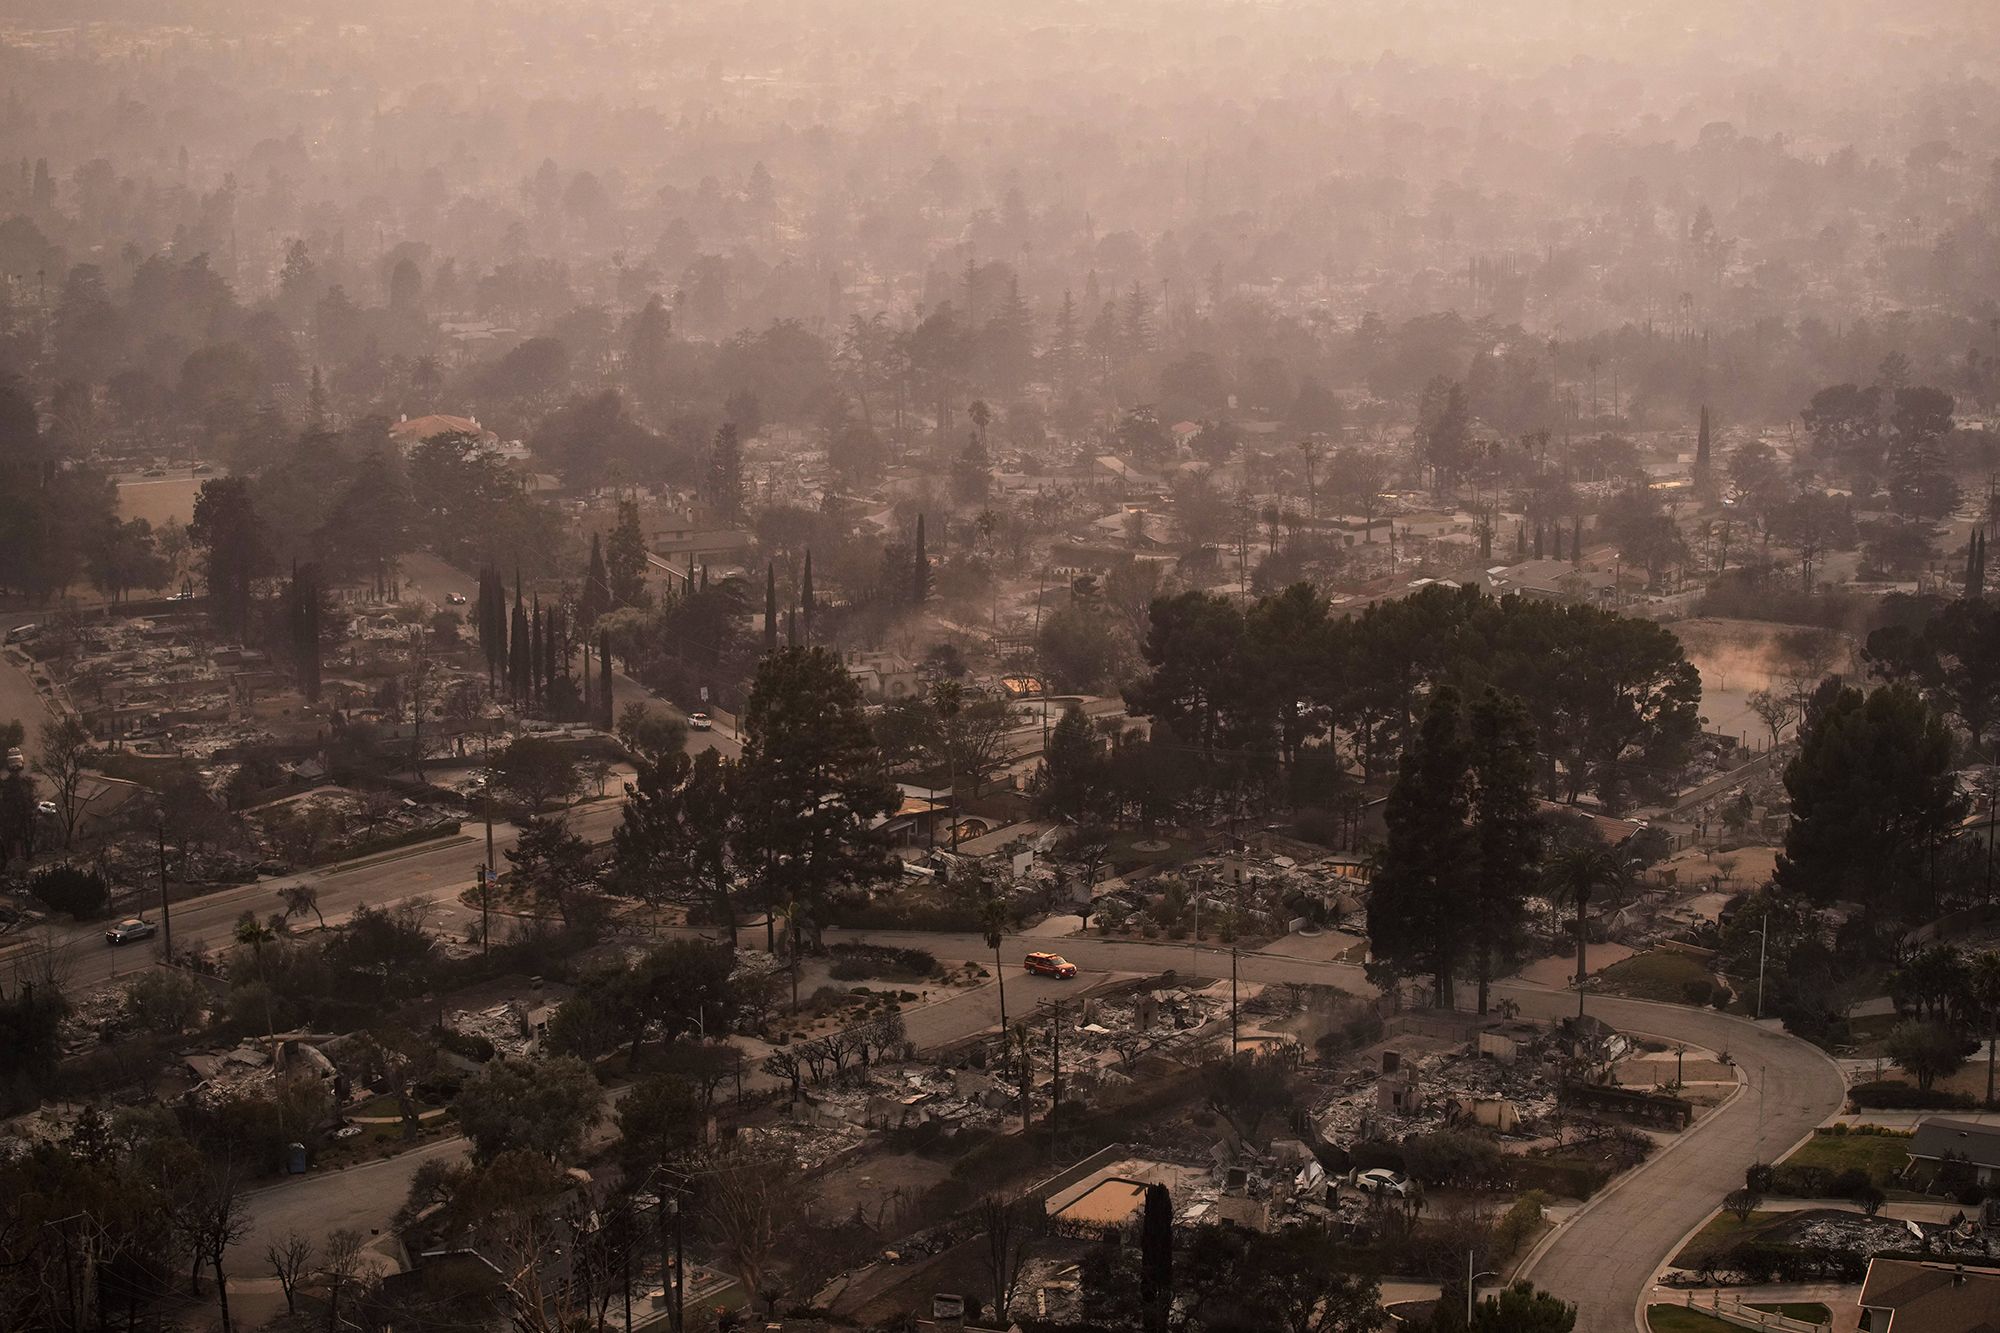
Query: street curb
{"x": 400, "y": 854}
{"x": 1523, "y": 1269}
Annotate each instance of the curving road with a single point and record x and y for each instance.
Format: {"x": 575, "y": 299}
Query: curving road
{"x": 1605, "y": 1257}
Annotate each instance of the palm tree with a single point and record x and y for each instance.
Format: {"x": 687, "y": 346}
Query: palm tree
{"x": 1985, "y": 989}
{"x": 1576, "y": 874}
{"x": 993, "y": 920}
{"x": 251, "y": 931}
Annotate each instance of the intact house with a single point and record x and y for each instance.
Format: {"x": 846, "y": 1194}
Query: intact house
{"x": 1907, "y": 1296}
{"x": 1977, "y": 1143}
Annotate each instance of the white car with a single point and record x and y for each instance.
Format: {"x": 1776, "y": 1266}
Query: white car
{"x": 700, "y": 721}
{"x": 46, "y": 808}
{"x": 1382, "y": 1180}
{"x": 131, "y": 928}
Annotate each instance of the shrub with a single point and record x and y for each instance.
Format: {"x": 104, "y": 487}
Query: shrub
{"x": 853, "y": 962}
{"x": 1697, "y": 992}
{"x": 466, "y": 1045}
{"x": 1517, "y": 1224}
{"x": 1887, "y": 1094}
{"x": 1759, "y": 1177}
{"x": 81, "y": 894}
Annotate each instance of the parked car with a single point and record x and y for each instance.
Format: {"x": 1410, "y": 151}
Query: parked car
{"x": 131, "y": 928}
{"x": 700, "y": 721}
{"x": 46, "y": 808}
{"x": 454, "y": 599}
{"x": 1381, "y": 1180}
{"x": 1050, "y": 965}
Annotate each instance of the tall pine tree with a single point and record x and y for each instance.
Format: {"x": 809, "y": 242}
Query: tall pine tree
{"x": 770, "y": 607}
{"x": 806, "y": 596}
{"x": 1416, "y": 917}
{"x": 596, "y": 598}
{"x": 1505, "y": 833}
{"x": 920, "y": 569}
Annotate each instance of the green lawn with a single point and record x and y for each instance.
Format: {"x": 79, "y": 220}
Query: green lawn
{"x": 1722, "y": 1231}
{"x": 1680, "y": 1319}
{"x": 1810, "y": 1311}
{"x": 1882, "y": 1156}
{"x": 1661, "y": 975}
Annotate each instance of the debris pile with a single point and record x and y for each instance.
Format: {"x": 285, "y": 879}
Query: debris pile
{"x": 1505, "y": 1079}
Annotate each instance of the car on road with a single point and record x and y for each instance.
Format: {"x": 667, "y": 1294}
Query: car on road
{"x": 156, "y": 472}
{"x": 200, "y": 468}
{"x": 1381, "y": 1180}
{"x": 131, "y": 928}
{"x": 700, "y": 721}
{"x": 1049, "y": 965}
{"x": 454, "y": 599}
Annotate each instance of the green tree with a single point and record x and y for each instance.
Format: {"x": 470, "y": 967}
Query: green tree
{"x": 1873, "y": 797}
{"x": 1416, "y": 922}
{"x": 542, "y": 1106}
{"x": 659, "y": 1122}
{"x": 1506, "y": 835}
{"x": 535, "y": 771}
{"x": 231, "y": 538}
{"x": 124, "y": 557}
{"x": 1156, "y": 1259}
{"x": 1926, "y": 1050}
{"x": 1521, "y": 1308}
{"x": 552, "y": 862}
{"x": 1297, "y": 1280}
{"x": 812, "y": 787}
{"x": 1576, "y": 874}
{"x": 1082, "y": 649}
{"x": 1073, "y": 772}
{"x": 1984, "y": 989}
{"x": 673, "y": 838}
{"x": 625, "y": 560}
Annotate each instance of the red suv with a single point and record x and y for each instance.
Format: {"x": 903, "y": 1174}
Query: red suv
{"x": 1050, "y": 965}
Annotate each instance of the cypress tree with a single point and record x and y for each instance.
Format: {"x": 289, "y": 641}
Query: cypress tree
{"x": 596, "y": 587}
{"x": 1505, "y": 831}
{"x": 604, "y": 702}
{"x": 1702, "y": 473}
{"x": 1156, "y": 1259}
{"x": 806, "y": 596}
{"x": 920, "y": 569}
{"x": 536, "y": 651}
{"x": 1416, "y": 906}
{"x": 586, "y": 682}
{"x": 770, "y": 608}
{"x": 517, "y": 657}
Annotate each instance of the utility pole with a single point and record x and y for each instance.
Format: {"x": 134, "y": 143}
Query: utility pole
{"x": 486, "y": 871}
{"x": 166, "y": 920}
{"x": 1763, "y": 946}
{"x": 1233, "y": 1040}
{"x": 678, "y": 1306}
{"x": 1055, "y": 1074}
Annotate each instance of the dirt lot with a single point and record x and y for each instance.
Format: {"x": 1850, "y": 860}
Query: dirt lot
{"x": 157, "y": 499}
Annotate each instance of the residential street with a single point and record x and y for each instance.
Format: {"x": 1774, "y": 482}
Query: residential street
{"x": 1604, "y": 1259}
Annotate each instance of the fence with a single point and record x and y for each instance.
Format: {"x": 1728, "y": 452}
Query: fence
{"x": 1732, "y": 1310}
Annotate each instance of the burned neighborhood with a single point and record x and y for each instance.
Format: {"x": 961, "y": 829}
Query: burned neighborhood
{"x": 1117, "y": 666}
